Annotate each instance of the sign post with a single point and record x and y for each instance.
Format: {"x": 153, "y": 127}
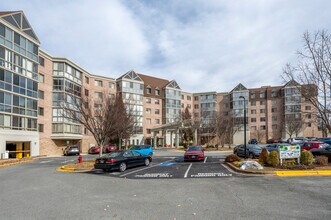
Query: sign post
{"x": 289, "y": 152}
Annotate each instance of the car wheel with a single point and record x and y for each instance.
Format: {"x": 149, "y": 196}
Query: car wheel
{"x": 147, "y": 162}
{"x": 251, "y": 155}
{"x": 122, "y": 167}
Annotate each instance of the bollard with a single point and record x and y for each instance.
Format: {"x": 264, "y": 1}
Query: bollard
{"x": 80, "y": 159}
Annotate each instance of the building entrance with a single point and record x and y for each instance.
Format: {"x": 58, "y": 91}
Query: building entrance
{"x": 18, "y": 149}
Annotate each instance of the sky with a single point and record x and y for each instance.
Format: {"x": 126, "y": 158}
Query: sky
{"x": 205, "y": 45}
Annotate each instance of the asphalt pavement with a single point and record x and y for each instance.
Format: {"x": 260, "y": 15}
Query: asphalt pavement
{"x": 37, "y": 191}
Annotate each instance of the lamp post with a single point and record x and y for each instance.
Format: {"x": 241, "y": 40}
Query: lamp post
{"x": 242, "y": 97}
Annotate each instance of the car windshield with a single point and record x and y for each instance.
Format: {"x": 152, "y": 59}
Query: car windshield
{"x": 194, "y": 148}
{"x": 324, "y": 145}
{"x": 135, "y": 148}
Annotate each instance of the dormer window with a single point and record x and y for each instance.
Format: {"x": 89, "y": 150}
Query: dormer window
{"x": 157, "y": 91}
{"x": 148, "y": 90}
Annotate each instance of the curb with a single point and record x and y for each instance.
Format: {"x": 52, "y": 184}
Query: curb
{"x": 304, "y": 173}
{"x": 64, "y": 169}
{"x": 236, "y": 169}
{"x": 15, "y": 163}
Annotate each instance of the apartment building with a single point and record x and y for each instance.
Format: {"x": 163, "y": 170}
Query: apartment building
{"x": 35, "y": 86}
{"x": 19, "y": 50}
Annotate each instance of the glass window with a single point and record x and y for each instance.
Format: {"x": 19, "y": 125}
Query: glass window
{"x": 9, "y": 34}
{"x": 41, "y": 94}
{"x": 17, "y": 39}
{"x": 2, "y": 30}
{"x": 7, "y": 98}
{"x": 8, "y": 77}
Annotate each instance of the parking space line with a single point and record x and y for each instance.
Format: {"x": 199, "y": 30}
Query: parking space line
{"x": 205, "y": 160}
{"x": 188, "y": 169}
{"x": 144, "y": 168}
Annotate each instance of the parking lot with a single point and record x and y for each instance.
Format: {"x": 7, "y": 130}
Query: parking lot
{"x": 174, "y": 167}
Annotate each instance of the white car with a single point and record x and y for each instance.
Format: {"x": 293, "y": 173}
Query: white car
{"x": 296, "y": 140}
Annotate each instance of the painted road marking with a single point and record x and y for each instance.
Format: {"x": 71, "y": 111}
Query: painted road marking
{"x": 211, "y": 174}
{"x": 205, "y": 160}
{"x": 167, "y": 164}
{"x": 188, "y": 169}
{"x": 46, "y": 161}
{"x": 154, "y": 175}
{"x": 143, "y": 169}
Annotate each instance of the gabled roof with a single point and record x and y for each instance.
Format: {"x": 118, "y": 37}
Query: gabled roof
{"x": 291, "y": 83}
{"x": 153, "y": 81}
{"x": 132, "y": 75}
{"x": 239, "y": 87}
{"x": 173, "y": 84}
{"x": 18, "y": 20}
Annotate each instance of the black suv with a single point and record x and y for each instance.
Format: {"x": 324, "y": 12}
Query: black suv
{"x": 253, "y": 141}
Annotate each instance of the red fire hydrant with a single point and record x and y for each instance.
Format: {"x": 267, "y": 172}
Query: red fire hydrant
{"x": 80, "y": 159}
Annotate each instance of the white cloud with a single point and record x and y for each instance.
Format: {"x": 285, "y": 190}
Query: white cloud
{"x": 204, "y": 45}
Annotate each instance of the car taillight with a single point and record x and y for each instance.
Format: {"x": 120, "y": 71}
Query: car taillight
{"x": 110, "y": 161}
{"x": 96, "y": 160}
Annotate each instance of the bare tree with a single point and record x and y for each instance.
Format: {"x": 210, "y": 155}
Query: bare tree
{"x": 188, "y": 126}
{"x": 314, "y": 71}
{"x": 225, "y": 127}
{"x": 293, "y": 124}
{"x": 106, "y": 119}
{"x": 259, "y": 135}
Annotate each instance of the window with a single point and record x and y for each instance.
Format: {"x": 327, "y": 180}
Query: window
{"x": 148, "y": 121}
{"x": 85, "y": 131}
{"x": 87, "y": 80}
{"x": 41, "y": 61}
{"x": 188, "y": 98}
{"x": 182, "y": 96}
{"x": 157, "y": 92}
{"x": 111, "y": 85}
{"x": 196, "y": 98}
{"x": 273, "y": 93}
{"x": 41, "y": 94}
{"x": 157, "y": 121}
{"x": 262, "y": 127}
{"x": 148, "y": 100}
{"x": 253, "y": 111}
{"x": 253, "y": 103}
{"x": 86, "y": 92}
{"x": 274, "y": 110}
{"x": 182, "y": 105}
{"x": 40, "y": 127}
{"x": 308, "y": 108}
{"x": 148, "y": 90}
{"x": 262, "y": 94}
{"x": 98, "y": 95}
{"x": 308, "y": 116}
{"x": 98, "y": 83}
{"x": 157, "y": 111}
{"x": 309, "y": 124}
{"x": 274, "y": 118}
{"x": 262, "y": 102}
{"x": 148, "y": 131}
{"x": 274, "y": 102}
{"x": 253, "y": 95}
{"x": 262, "y": 119}
{"x": 196, "y": 106}
{"x": 274, "y": 127}
{"x": 157, "y": 101}
{"x": 148, "y": 111}
{"x": 253, "y": 119}
{"x": 41, "y": 78}
{"x": 253, "y": 128}
{"x": 262, "y": 111}
{"x": 40, "y": 111}
{"x": 189, "y": 106}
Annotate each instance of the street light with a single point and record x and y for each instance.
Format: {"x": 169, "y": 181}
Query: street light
{"x": 242, "y": 97}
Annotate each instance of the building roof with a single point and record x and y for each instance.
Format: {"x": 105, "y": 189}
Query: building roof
{"x": 153, "y": 81}
{"x": 18, "y": 20}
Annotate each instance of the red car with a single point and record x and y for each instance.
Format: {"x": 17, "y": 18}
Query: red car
{"x": 273, "y": 141}
{"x": 194, "y": 153}
{"x": 109, "y": 148}
{"x": 313, "y": 144}
{"x": 94, "y": 150}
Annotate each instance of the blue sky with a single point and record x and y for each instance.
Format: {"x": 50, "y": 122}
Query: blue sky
{"x": 206, "y": 45}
